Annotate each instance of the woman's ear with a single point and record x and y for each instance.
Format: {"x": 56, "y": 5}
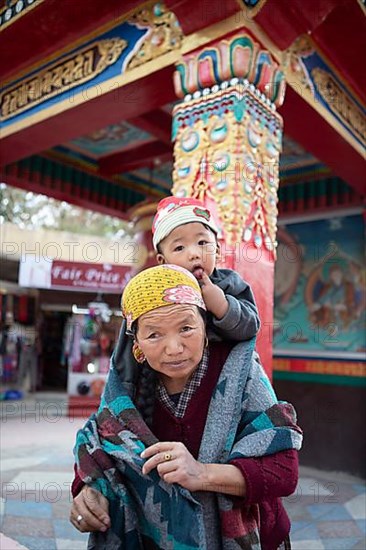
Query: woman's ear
{"x": 160, "y": 259}
{"x": 138, "y": 353}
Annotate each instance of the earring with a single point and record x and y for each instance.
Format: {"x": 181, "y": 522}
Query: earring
{"x": 138, "y": 353}
{"x": 206, "y": 342}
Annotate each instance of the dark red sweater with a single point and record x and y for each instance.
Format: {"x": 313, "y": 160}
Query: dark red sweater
{"x": 267, "y": 478}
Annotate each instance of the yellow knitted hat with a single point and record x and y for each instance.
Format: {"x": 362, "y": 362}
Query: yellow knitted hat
{"x": 159, "y": 286}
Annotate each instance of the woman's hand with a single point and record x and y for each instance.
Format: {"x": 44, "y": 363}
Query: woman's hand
{"x": 89, "y": 511}
{"x": 175, "y": 464}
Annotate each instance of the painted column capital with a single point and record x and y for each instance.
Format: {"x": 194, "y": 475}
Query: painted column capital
{"x": 232, "y": 61}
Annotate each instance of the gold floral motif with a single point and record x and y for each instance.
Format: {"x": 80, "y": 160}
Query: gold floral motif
{"x": 109, "y": 51}
{"x": 164, "y": 33}
{"x": 235, "y": 164}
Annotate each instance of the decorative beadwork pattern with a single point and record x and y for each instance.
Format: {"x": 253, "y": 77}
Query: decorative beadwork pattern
{"x": 227, "y": 145}
{"x": 239, "y": 57}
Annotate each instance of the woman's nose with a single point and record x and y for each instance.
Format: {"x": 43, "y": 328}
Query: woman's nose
{"x": 174, "y": 346}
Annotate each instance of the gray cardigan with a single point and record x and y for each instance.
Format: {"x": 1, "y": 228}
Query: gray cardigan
{"x": 241, "y": 322}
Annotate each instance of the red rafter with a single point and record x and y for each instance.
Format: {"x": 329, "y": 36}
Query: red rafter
{"x": 284, "y": 21}
{"x": 125, "y": 103}
{"x": 158, "y": 123}
{"x": 194, "y": 15}
{"x": 141, "y": 156}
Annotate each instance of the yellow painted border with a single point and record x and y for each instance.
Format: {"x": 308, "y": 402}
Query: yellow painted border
{"x": 193, "y": 41}
{"x": 58, "y": 156}
{"x": 98, "y": 68}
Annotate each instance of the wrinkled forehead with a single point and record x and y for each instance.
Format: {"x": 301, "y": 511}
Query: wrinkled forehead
{"x": 169, "y": 316}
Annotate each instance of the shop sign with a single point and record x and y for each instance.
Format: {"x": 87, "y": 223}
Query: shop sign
{"x": 79, "y": 276}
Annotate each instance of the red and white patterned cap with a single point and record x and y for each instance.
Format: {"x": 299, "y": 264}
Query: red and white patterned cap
{"x": 173, "y": 212}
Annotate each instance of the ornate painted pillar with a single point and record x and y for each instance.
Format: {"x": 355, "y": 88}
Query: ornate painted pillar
{"x": 227, "y": 140}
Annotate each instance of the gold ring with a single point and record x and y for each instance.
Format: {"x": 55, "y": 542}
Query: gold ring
{"x": 167, "y": 457}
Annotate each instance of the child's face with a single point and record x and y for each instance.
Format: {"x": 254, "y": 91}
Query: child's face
{"x": 192, "y": 246}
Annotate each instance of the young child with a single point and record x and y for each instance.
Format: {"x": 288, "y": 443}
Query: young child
{"x": 185, "y": 234}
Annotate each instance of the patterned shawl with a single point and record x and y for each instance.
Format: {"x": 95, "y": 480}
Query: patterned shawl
{"x": 244, "y": 420}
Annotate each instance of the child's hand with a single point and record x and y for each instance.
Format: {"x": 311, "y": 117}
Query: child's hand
{"x": 213, "y": 297}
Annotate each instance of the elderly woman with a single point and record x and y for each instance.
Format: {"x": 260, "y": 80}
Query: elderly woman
{"x": 220, "y": 450}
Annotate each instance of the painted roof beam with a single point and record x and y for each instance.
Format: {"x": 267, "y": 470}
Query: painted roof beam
{"x": 49, "y": 27}
{"x": 147, "y": 94}
{"x": 157, "y": 122}
{"x": 142, "y": 156}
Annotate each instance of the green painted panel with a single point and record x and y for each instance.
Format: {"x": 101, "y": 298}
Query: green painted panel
{"x": 320, "y": 378}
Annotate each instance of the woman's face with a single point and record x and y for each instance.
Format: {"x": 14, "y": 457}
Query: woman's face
{"x": 172, "y": 339}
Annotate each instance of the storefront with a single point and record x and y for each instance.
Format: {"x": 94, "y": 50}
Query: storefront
{"x": 19, "y": 344}
{"x": 60, "y": 319}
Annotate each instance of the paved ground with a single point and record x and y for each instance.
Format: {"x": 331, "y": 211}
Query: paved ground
{"x": 328, "y": 510}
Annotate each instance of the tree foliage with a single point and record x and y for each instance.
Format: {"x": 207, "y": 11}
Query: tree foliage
{"x": 30, "y": 211}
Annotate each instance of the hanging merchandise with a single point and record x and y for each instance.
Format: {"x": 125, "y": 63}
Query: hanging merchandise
{"x": 18, "y": 357}
{"x": 9, "y": 354}
{"x": 89, "y": 338}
